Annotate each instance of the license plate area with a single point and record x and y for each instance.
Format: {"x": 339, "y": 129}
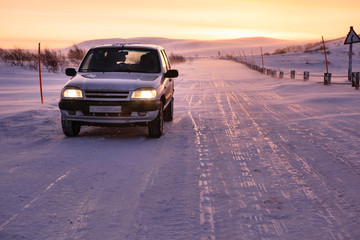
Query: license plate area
{"x": 105, "y": 109}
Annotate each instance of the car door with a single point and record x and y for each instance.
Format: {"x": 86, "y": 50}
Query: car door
{"x": 168, "y": 82}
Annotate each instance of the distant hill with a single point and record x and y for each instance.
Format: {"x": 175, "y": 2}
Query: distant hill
{"x": 200, "y": 48}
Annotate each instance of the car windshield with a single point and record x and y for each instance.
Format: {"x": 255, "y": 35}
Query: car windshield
{"x": 121, "y": 60}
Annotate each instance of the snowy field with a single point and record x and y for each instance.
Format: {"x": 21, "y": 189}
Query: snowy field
{"x": 314, "y": 62}
{"x": 247, "y": 156}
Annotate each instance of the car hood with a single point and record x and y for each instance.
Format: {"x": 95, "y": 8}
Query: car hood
{"x": 114, "y": 81}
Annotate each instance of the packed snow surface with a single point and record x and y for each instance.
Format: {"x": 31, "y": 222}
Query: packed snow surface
{"x": 247, "y": 156}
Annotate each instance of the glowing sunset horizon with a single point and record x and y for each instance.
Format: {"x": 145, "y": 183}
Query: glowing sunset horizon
{"x": 60, "y": 24}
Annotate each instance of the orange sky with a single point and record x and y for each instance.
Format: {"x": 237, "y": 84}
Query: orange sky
{"x": 24, "y": 23}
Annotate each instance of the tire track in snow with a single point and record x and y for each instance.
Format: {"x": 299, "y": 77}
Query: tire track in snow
{"x": 337, "y": 151}
{"x": 252, "y": 193}
{"x": 46, "y": 192}
{"x": 303, "y": 174}
{"x": 49, "y": 187}
{"x": 310, "y": 170}
{"x": 280, "y": 164}
{"x": 78, "y": 227}
{"x": 322, "y": 129}
{"x": 206, "y": 203}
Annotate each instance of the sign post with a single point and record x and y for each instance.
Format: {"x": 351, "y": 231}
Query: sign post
{"x": 351, "y": 38}
{"x": 327, "y": 69}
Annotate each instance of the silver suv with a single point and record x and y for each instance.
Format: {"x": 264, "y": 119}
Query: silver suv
{"x": 119, "y": 84}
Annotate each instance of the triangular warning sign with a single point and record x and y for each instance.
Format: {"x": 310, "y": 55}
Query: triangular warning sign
{"x": 352, "y": 37}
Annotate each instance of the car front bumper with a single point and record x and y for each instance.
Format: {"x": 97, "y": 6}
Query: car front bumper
{"x": 126, "y": 111}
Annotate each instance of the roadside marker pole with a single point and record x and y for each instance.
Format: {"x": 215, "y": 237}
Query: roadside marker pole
{"x": 350, "y": 62}
{"x": 253, "y": 59}
{"x": 41, "y": 93}
{"x": 327, "y": 69}
{"x": 262, "y": 57}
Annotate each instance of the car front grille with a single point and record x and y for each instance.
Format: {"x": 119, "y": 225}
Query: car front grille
{"x": 98, "y": 94}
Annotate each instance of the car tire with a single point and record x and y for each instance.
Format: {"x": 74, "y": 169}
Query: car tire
{"x": 70, "y": 128}
{"x": 156, "y": 126}
{"x": 169, "y": 111}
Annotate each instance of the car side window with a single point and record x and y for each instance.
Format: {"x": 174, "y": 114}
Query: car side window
{"x": 167, "y": 60}
{"x": 163, "y": 62}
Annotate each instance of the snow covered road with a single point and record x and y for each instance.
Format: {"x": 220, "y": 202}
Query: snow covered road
{"x": 246, "y": 157}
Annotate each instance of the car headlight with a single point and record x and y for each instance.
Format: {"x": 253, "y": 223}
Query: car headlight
{"x": 144, "y": 94}
{"x": 72, "y": 93}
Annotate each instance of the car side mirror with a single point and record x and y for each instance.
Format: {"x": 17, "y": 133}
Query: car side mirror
{"x": 172, "y": 73}
{"x": 70, "y": 72}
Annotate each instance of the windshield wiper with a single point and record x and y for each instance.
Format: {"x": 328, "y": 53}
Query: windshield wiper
{"x": 122, "y": 70}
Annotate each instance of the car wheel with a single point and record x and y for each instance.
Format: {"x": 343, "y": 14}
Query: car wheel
{"x": 169, "y": 111}
{"x": 156, "y": 126}
{"x": 70, "y": 128}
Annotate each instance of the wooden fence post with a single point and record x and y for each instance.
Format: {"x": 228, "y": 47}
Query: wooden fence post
{"x": 327, "y": 78}
{"x": 306, "y": 76}
{"x": 292, "y": 74}
{"x": 355, "y": 80}
{"x": 281, "y": 74}
{"x": 273, "y": 73}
